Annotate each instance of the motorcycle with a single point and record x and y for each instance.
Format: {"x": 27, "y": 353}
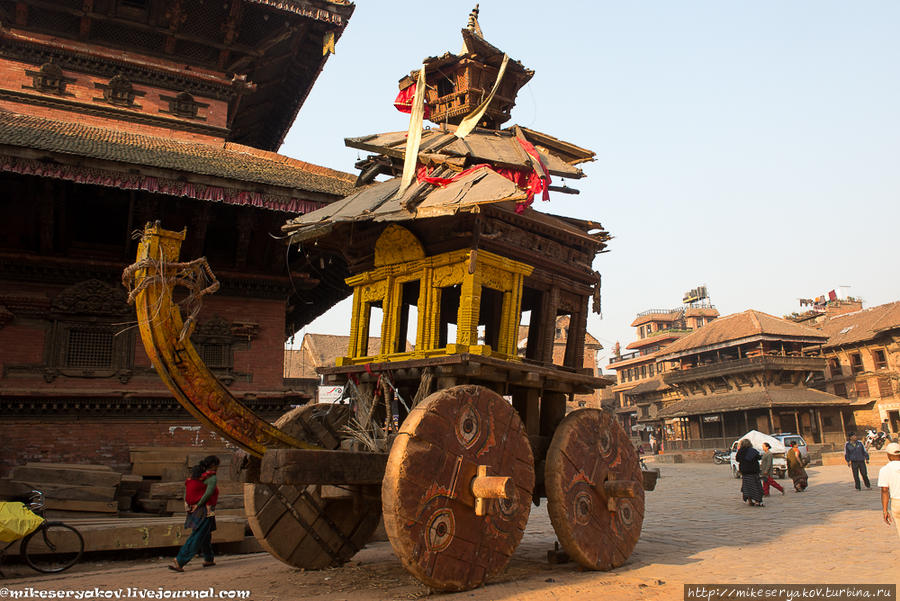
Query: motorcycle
{"x": 721, "y": 457}
{"x": 876, "y": 439}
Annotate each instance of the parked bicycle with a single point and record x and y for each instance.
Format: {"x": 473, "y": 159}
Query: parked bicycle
{"x": 53, "y": 546}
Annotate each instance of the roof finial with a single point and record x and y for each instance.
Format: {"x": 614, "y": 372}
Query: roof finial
{"x": 473, "y": 25}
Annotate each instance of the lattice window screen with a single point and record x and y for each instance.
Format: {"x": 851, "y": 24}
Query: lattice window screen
{"x": 89, "y": 348}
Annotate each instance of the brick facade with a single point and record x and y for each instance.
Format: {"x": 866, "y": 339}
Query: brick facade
{"x": 95, "y": 441}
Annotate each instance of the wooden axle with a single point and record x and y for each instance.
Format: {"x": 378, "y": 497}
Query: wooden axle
{"x": 619, "y": 489}
{"x": 490, "y": 487}
{"x": 622, "y": 488}
{"x": 308, "y": 467}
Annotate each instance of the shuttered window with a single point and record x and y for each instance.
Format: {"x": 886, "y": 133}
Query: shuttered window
{"x": 834, "y": 366}
{"x": 884, "y": 386}
{"x": 878, "y": 359}
{"x": 862, "y": 389}
{"x": 840, "y": 389}
{"x": 856, "y": 363}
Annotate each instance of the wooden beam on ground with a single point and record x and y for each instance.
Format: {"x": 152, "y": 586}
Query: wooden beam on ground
{"x": 307, "y": 466}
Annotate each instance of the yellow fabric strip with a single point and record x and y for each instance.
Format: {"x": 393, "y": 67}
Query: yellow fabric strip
{"x": 414, "y": 138}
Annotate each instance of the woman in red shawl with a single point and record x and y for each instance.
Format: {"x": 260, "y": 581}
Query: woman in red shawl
{"x": 201, "y": 495}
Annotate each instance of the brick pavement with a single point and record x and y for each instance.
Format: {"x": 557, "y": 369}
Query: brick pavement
{"x": 696, "y": 530}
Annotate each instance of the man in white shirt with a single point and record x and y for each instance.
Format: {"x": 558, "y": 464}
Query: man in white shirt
{"x": 889, "y": 482}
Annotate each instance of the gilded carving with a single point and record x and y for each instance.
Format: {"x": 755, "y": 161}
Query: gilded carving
{"x": 397, "y": 245}
{"x": 447, "y": 275}
{"x": 374, "y": 292}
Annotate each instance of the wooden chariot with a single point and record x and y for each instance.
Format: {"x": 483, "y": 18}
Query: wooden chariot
{"x": 452, "y": 439}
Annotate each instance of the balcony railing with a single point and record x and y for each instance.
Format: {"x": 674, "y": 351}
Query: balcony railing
{"x": 659, "y": 312}
{"x": 775, "y": 362}
{"x": 624, "y": 357}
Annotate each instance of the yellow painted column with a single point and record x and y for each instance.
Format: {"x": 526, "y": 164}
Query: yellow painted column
{"x": 424, "y": 306}
{"x": 469, "y": 308}
{"x": 355, "y": 323}
{"x": 512, "y": 305}
{"x": 390, "y": 306}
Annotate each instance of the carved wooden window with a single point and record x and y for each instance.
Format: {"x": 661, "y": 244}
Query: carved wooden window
{"x": 862, "y": 389}
{"x": 49, "y": 79}
{"x": 183, "y": 105}
{"x": 87, "y": 339}
{"x": 650, "y": 369}
{"x": 216, "y": 341}
{"x": 216, "y": 355}
{"x": 119, "y": 92}
{"x": 856, "y": 364}
{"x": 89, "y": 348}
{"x": 884, "y": 386}
{"x": 840, "y": 389}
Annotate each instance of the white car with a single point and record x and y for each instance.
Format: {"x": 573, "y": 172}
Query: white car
{"x": 779, "y": 463}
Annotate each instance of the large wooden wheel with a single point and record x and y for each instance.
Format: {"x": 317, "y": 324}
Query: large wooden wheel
{"x": 433, "y": 488}
{"x": 595, "y": 494}
{"x": 313, "y": 527}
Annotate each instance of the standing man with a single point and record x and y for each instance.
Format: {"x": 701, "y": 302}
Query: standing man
{"x": 766, "y": 469}
{"x": 856, "y": 456}
{"x": 653, "y": 444}
{"x": 889, "y": 482}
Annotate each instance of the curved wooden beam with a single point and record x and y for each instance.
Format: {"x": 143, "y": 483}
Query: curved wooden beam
{"x": 177, "y": 361}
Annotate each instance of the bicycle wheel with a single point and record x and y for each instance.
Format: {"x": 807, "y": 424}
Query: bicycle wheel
{"x": 53, "y": 547}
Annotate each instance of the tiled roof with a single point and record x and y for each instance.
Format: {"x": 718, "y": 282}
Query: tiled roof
{"x": 242, "y": 164}
{"x": 321, "y": 350}
{"x": 659, "y": 337}
{"x": 859, "y": 326}
{"x": 739, "y": 326}
{"x": 751, "y": 398}
{"x": 652, "y": 385}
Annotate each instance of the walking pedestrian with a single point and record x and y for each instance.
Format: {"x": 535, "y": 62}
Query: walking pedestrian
{"x": 795, "y": 468}
{"x": 856, "y": 456}
{"x": 766, "y": 469}
{"x": 654, "y": 445}
{"x": 889, "y": 482}
{"x": 201, "y": 495}
{"x": 748, "y": 464}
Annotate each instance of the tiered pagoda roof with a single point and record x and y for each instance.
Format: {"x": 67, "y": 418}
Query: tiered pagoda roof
{"x": 225, "y": 172}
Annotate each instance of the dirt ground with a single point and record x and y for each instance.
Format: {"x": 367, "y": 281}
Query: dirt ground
{"x": 696, "y": 531}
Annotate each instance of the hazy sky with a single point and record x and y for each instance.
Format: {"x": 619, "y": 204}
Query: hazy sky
{"x": 749, "y": 146}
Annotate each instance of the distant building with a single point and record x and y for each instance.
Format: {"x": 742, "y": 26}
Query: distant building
{"x": 560, "y": 340}
{"x": 318, "y": 350}
{"x": 639, "y": 370}
{"x": 863, "y": 355}
{"x": 745, "y": 371}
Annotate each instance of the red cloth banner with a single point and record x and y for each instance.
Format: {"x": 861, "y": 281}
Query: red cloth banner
{"x": 404, "y": 100}
{"x": 529, "y": 181}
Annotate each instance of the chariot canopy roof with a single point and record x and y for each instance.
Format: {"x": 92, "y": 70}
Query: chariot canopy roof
{"x": 471, "y": 193}
{"x": 440, "y": 146}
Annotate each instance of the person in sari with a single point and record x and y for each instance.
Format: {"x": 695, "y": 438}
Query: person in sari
{"x": 767, "y": 470}
{"x": 795, "y": 468}
{"x": 200, "y": 495}
{"x": 748, "y": 464}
